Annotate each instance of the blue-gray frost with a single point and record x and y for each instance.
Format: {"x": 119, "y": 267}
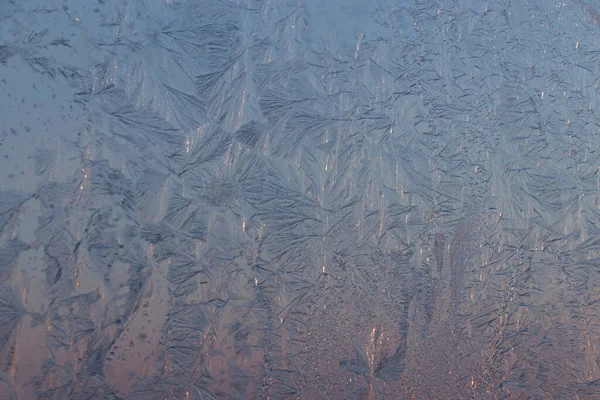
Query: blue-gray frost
{"x": 299, "y": 199}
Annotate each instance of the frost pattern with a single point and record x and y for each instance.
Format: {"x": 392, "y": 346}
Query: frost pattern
{"x": 301, "y": 200}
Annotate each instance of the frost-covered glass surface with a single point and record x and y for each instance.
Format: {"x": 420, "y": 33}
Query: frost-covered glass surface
{"x": 299, "y": 199}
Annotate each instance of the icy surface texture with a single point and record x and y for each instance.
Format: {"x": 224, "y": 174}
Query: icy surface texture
{"x": 299, "y": 199}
